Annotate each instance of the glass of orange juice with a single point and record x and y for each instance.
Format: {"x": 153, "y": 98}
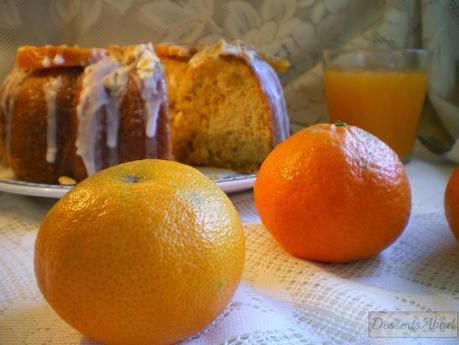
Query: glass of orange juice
{"x": 379, "y": 90}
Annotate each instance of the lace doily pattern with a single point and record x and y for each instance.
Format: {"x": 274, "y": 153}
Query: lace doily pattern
{"x": 281, "y": 299}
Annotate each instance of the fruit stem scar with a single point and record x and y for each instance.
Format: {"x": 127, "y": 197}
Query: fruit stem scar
{"x": 340, "y": 124}
{"x": 133, "y": 178}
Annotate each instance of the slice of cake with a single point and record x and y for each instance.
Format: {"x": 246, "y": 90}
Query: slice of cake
{"x": 227, "y": 105}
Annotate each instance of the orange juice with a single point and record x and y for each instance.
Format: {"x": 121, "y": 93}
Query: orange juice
{"x": 385, "y": 103}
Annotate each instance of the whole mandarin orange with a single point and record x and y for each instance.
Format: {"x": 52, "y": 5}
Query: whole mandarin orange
{"x": 452, "y": 203}
{"x": 146, "y": 252}
{"x": 333, "y": 193}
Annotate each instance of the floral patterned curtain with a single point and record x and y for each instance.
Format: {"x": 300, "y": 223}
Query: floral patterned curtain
{"x": 293, "y": 29}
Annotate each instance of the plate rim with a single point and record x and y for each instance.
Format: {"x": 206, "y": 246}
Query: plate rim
{"x": 231, "y": 184}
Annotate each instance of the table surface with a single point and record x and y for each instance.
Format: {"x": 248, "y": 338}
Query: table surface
{"x": 281, "y": 299}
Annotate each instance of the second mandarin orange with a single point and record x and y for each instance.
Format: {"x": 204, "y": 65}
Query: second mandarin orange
{"x": 333, "y": 193}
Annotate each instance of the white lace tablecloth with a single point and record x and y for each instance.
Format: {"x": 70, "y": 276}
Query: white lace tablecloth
{"x": 281, "y": 299}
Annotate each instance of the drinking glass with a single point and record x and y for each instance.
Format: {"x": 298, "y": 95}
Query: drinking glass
{"x": 379, "y": 90}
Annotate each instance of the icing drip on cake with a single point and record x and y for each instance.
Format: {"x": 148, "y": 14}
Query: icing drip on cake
{"x": 149, "y": 75}
{"x": 267, "y": 78}
{"x": 50, "y": 90}
{"x": 153, "y": 86}
{"x": 97, "y": 96}
{"x": 9, "y": 90}
{"x": 273, "y": 89}
{"x": 114, "y": 83}
{"x": 101, "y": 88}
{"x": 96, "y": 55}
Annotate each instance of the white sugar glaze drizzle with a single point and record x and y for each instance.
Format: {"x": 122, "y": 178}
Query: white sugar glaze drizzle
{"x": 99, "y": 85}
{"x": 114, "y": 84}
{"x": 8, "y": 93}
{"x": 153, "y": 86}
{"x": 273, "y": 89}
{"x": 96, "y": 96}
{"x": 50, "y": 90}
{"x": 96, "y": 55}
{"x": 267, "y": 77}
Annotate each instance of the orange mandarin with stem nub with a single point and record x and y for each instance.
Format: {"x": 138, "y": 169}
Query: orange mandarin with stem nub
{"x": 146, "y": 252}
{"x": 333, "y": 193}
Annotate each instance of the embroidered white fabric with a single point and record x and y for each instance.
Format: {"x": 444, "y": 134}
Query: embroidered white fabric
{"x": 281, "y": 299}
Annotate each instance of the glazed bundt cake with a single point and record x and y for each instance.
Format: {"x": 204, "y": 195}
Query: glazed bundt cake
{"x": 226, "y": 103}
{"x": 68, "y": 111}
{"x": 71, "y": 112}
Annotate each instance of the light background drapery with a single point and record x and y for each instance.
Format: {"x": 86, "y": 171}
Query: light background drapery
{"x": 293, "y": 29}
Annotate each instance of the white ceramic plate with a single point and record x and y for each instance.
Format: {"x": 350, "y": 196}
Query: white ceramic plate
{"x": 229, "y": 181}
